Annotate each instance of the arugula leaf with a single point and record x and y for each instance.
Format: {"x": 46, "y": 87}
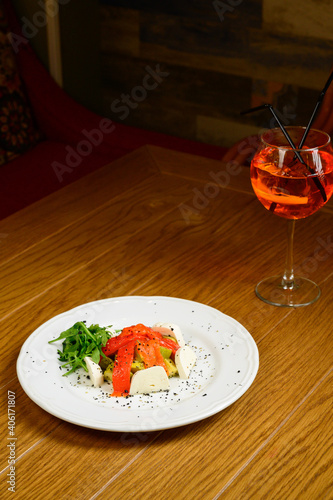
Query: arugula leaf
{"x": 80, "y": 341}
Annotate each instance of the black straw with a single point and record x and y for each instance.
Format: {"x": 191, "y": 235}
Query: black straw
{"x": 287, "y": 136}
{"x": 285, "y": 133}
{"x": 315, "y": 111}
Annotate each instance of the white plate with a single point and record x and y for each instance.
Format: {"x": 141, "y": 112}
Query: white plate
{"x": 227, "y": 363}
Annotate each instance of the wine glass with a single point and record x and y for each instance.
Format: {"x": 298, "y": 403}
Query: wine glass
{"x": 292, "y": 183}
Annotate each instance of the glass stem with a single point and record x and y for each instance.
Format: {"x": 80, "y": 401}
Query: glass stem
{"x": 288, "y": 277}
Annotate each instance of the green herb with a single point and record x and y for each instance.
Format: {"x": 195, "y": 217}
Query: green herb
{"x": 79, "y": 342}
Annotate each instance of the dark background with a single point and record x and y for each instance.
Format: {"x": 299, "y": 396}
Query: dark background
{"x": 221, "y": 57}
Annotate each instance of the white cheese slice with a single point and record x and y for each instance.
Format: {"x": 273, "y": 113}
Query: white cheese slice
{"x": 95, "y": 372}
{"x": 149, "y": 380}
{"x": 185, "y": 359}
{"x": 171, "y": 330}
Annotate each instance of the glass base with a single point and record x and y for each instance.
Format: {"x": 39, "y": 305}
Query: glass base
{"x": 303, "y": 292}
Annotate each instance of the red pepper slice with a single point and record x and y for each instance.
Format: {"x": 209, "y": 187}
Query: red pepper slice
{"x": 150, "y": 354}
{"x": 169, "y": 344}
{"x": 146, "y": 351}
{"x": 139, "y": 332}
{"x": 140, "y": 329}
{"x": 121, "y": 379}
{"x": 159, "y": 358}
{"x": 115, "y": 343}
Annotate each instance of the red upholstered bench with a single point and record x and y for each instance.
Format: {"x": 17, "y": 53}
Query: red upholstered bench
{"x": 65, "y": 140}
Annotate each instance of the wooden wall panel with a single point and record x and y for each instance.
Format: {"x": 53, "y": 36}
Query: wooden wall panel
{"x": 310, "y": 18}
{"x": 217, "y": 93}
{"x": 120, "y": 31}
{"x": 193, "y": 35}
{"x": 194, "y": 9}
{"x": 219, "y": 60}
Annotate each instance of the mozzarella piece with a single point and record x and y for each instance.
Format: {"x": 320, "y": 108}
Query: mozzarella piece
{"x": 170, "y": 329}
{"x": 185, "y": 359}
{"x": 149, "y": 380}
{"x": 95, "y": 372}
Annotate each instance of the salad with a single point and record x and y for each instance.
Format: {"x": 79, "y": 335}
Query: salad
{"x": 137, "y": 359}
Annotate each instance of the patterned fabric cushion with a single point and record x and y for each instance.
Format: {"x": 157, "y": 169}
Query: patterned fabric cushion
{"x": 17, "y": 129}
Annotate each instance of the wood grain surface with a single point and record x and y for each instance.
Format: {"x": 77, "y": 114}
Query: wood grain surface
{"x": 159, "y": 222}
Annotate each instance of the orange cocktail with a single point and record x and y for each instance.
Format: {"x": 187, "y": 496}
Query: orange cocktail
{"x": 292, "y": 183}
{"x": 289, "y": 188}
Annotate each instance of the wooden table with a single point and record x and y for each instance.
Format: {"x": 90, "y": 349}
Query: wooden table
{"x": 157, "y": 222}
